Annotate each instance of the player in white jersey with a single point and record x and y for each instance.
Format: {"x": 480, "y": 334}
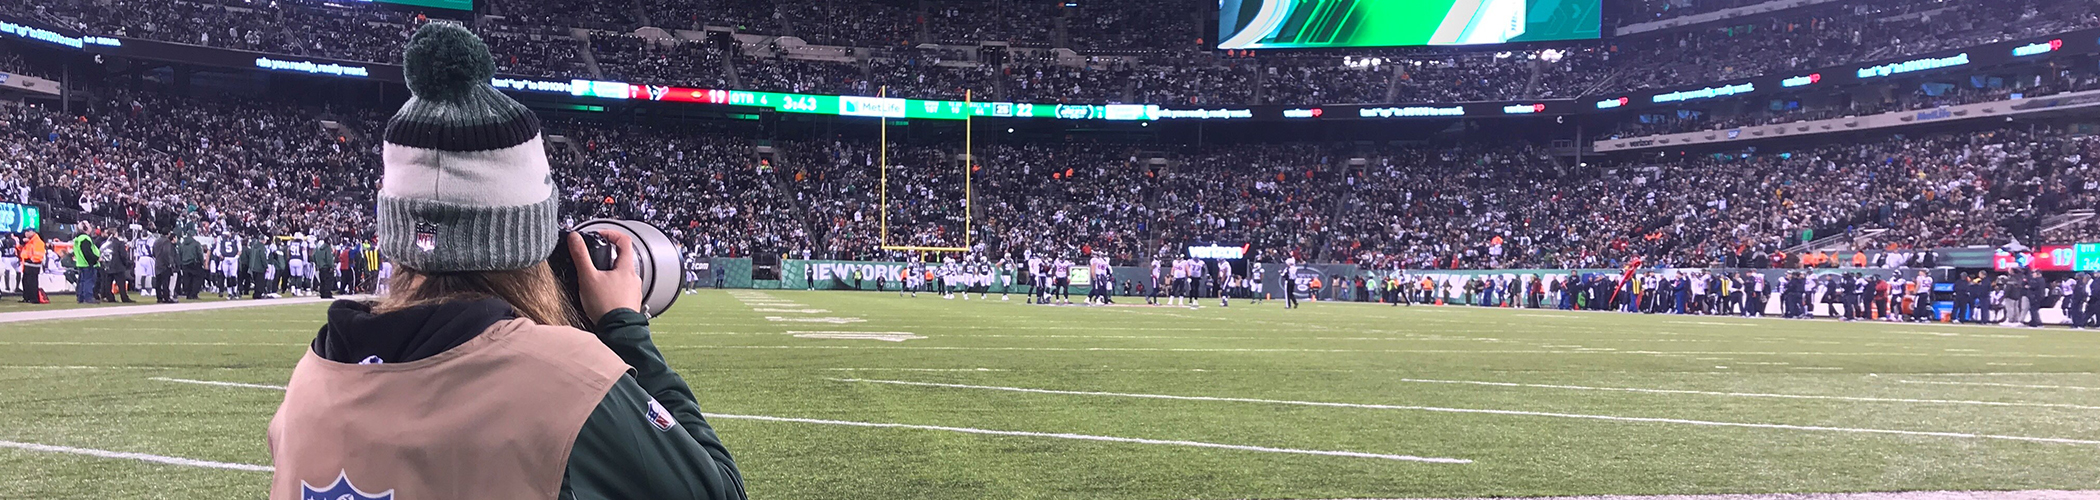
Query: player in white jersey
{"x": 296, "y": 265}
{"x": 1191, "y": 290}
{"x": 386, "y": 274}
{"x": 1062, "y": 273}
{"x": 1224, "y": 282}
{"x": 142, "y": 263}
{"x": 945, "y": 276}
{"x": 914, "y": 278}
{"x": 1178, "y": 273}
{"x": 1194, "y": 289}
{"x": 1094, "y": 275}
{"x": 1006, "y": 277}
{"x": 1152, "y": 293}
{"x": 1036, "y": 273}
{"x": 1254, "y": 280}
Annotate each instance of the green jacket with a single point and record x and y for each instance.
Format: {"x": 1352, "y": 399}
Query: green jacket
{"x": 280, "y": 260}
{"x": 189, "y": 251}
{"x": 625, "y": 456}
{"x": 323, "y": 256}
{"x": 255, "y": 257}
{"x": 85, "y": 253}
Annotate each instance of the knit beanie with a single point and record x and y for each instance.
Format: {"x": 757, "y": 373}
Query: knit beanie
{"x": 466, "y": 186}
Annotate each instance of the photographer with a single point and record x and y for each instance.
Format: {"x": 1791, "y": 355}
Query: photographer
{"x": 465, "y": 379}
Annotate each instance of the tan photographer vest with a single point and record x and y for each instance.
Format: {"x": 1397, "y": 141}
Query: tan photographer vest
{"x": 493, "y": 418}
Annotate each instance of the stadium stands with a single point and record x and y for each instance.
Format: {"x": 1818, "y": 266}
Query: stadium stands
{"x": 541, "y": 39}
{"x": 146, "y": 157}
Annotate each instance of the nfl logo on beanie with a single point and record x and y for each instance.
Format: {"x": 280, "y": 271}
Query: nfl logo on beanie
{"x": 466, "y": 185}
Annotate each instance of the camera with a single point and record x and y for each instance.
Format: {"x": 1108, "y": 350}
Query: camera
{"x": 657, "y": 261}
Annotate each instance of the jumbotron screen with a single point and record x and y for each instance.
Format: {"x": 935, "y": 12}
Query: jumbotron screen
{"x": 1303, "y": 24}
{"x": 434, "y": 4}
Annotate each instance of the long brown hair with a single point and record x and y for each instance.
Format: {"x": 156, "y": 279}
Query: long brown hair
{"x": 533, "y": 291}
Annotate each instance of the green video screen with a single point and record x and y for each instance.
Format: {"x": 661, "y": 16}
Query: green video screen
{"x": 434, "y": 4}
{"x": 1302, "y": 24}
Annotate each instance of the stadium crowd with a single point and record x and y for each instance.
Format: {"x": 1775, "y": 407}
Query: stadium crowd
{"x": 246, "y": 167}
{"x": 1787, "y": 111}
{"x": 249, "y": 167}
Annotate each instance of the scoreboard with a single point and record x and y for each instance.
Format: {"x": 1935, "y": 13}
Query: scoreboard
{"x": 15, "y": 218}
{"x": 434, "y": 4}
{"x": 2081, "y": 257}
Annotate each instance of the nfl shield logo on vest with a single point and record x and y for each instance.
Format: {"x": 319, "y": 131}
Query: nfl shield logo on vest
{"x": 659, "y": 417}
{"x": 341, "y": 489}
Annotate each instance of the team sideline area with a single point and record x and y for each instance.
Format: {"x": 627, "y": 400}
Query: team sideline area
{"x": 872, "y": 395}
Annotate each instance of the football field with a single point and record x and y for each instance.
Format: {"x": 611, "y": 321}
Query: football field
{"x": 832, "y": 395}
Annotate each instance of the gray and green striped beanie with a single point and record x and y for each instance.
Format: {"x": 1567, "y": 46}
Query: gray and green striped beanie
{"x": 466, "y": 186}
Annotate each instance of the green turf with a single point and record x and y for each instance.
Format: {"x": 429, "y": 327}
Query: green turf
{"x": 85, "y": 383}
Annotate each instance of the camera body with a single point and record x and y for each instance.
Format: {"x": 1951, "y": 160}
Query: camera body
{"x": 657, "y": 261}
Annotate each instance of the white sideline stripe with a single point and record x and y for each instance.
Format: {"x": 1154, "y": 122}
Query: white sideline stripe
{"x": 104, "y": 312}
{"x": 1990, "y": 384}
{"x": 155, "y": 343}
{"x": 1089, "y": 437}
{"x": 1874, "y": 495}
{"x": 217, "y": 383}
{"x": 187, "y": 462}
{"x": 1156, "y": 349}
{"x": 1391, "y": 351}
{"x": 1750, "y": 394}
{"x": 1493, "y": 412}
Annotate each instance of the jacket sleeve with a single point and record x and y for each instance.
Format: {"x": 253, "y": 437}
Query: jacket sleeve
{"x": 622, "y": 453}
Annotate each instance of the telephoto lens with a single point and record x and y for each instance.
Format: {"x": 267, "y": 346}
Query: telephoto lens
{"x": 657, "y": 261}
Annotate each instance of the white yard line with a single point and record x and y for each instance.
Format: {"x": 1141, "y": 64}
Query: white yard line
{"x": 1749, "y": 394}
{"x": 187, "y": 462}
{"x": 1990, "y": 384}
{"x": 217, "y": 383}
{"x": 835, "y": 321}
{"x": 967, "y": 430}
{"x": 104, "y": 312}
{"x": 1494, "y": 412}
{"x": 1089, "y": 437}
{"x": 921, "y": 369}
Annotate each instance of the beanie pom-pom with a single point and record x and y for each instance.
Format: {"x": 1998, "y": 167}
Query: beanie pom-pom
{"x": 444, "y": 62}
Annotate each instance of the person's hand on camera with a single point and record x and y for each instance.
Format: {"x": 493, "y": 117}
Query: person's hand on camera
{"x": 604, "y": 291}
